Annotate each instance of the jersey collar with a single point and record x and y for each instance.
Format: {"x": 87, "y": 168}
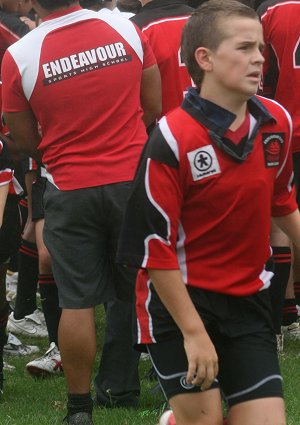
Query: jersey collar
{"x": 217, "y": 120}
{"x": 59, "y": 13}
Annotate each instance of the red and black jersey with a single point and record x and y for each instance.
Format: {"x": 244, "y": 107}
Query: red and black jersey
{"x": 11, "y": 29}
{"x": 162, "y": 21}
{"x": 202, "y": 204}
{"x": 84, "y": 93}
{"x": 281, "y": 25}
{"x": 6, "y": 166}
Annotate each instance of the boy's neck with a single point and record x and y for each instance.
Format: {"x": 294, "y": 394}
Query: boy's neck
{"x": 236, "y": 106}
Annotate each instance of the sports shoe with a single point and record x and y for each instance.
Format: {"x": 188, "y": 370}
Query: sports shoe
{"x": 167, "y": 418}
{"x": 279, "y": 340}
{"x": 291, "y": 331}
{"x": 12, "y": 277}
{"x": 81, "y": 418}
{"x": 31, "y": 325}
{"x": 40, "y": 315}
{"x": 14, "y": 347}
{"x": 48, "y": 364}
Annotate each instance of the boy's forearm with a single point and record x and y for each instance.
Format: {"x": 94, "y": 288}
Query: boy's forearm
{"x": 201, "y": 355}
{"x": 174, "y": 295}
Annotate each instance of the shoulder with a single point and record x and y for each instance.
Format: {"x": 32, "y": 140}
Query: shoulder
{"x": 280, "y": 114}
{"x": 269, "y": 6}
{"x": 156, "y": 12}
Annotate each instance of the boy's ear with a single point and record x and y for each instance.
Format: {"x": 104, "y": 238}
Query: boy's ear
{"x": 203, "y": 58}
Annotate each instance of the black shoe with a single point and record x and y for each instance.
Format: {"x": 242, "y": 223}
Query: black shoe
{"x": 81, "y": 418}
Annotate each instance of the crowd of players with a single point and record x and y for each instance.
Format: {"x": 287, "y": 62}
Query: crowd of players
{"x": 72, "y": 174}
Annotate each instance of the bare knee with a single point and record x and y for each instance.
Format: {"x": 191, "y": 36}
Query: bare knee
{"x": 198, "y": 408}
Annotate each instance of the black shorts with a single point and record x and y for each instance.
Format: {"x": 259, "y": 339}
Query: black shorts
{"x": 245, "y": 344}
{"x": 11, "y": 228}
{"x": 296, "y": 165}
{"x": 38, "y": 189}
{"x": 81, "y": 233}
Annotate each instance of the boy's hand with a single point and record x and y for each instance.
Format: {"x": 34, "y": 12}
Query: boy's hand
{"x": 202, "y": 360}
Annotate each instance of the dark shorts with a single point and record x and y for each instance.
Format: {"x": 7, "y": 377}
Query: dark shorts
{"x": 11, "y": 228}
{"x": 296, "y": 164}
{"x": 245, "y": 344}
{"x": 81, "y": 233}
{"x": 38, "y": 189}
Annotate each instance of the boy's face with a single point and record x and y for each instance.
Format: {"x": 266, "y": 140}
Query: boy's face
{"x": 237, "y": 62}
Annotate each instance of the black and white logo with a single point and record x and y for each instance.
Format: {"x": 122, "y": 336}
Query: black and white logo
{"x": 184, "y": 384}
{"x": 203, "y": 162}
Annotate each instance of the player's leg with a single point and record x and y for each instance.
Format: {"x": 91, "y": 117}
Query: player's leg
{"x": 118, "y": 386}
{"x": 249, "y": 369}
{"x": 190, "y": 405}
{"x": 259, "y": 412}
{"x": 73, "y": 233}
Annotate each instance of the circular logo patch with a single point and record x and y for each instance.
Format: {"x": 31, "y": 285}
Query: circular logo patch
{"x": 185, "y": 385}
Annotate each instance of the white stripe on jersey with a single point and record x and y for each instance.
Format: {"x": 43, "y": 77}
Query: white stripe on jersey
{"x": 181, "y": 253}
{"x": 170, "y": 139}
{"x": 161, "y": 211}
{"x": 150, "y": 329}
{"x": 26, "y": 52}
{"x": 160, "y": 21}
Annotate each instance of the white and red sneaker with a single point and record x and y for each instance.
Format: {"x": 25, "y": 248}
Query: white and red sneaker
{"x": 167, "y": 418}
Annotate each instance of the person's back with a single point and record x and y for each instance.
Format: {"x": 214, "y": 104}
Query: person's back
{"x": 104, "y": 136}
{"x": 162, "y": 22}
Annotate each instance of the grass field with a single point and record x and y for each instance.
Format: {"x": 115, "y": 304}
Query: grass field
{"x": 29, "y": 401}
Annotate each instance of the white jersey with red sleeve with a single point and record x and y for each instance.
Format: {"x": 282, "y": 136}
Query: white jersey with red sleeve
{"x": 87, "y": 68}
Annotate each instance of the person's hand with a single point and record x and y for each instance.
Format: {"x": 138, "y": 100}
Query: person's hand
{"x": 202, "y": 360}
{"x": 27, "y": 21}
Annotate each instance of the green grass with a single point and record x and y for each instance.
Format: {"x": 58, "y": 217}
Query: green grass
{"x": 29, "y": 401}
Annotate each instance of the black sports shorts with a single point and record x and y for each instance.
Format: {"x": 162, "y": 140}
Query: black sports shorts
{"x": 296, "y": 166}
{"x": 11, "y": 228}
{"x": 38, "y": 189}
{"x": 241, "y": 330}
{"x": 81, "y": 233}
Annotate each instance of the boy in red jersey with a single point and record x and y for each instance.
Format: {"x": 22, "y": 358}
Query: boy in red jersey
{"x": 198, "y": 222}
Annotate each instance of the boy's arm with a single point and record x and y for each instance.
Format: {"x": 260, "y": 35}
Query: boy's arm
{"x": 201, "y": 354}
{"x": 24, "y": 131}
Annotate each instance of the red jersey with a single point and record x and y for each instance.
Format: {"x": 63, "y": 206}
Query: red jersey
{"x": 211, "y": 220}
{"x": 84, "y": 92}
{"x": 162, "y": 22}
{"x": 281, "y": 25}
